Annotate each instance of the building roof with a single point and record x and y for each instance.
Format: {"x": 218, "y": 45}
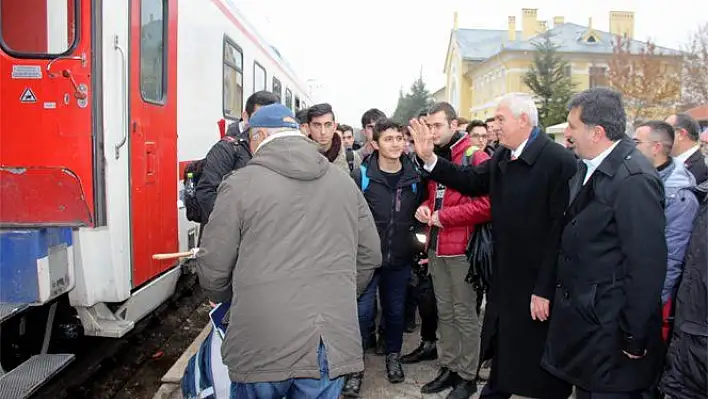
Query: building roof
{"x": 480, "y": 44}
{"x": 699, "y": 113}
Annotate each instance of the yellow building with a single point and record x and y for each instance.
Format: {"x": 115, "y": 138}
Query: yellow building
{"x": 483, "y": 64}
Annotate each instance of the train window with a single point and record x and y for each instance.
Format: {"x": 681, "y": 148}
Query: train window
{"x": 233, "y": 80}
{"x": 259, "y": 77}
{"x": 26, "y": 31}
{"x": 297, "y": 103}
{"x": 288, "y": 98}
{"x": 278, "y": 89}
{"x": 153, "y": 30}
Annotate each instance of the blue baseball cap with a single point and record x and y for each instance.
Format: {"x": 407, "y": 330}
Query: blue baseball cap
{"x": 273, "y": 116}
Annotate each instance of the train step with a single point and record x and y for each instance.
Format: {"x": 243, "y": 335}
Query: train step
{"x": 25, "y": 379}
{"x": 8, "y": 310}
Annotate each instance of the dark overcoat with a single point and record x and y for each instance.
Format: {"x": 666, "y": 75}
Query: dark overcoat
{"x": 528, "y": 196}
{"x": 611, "y": 271}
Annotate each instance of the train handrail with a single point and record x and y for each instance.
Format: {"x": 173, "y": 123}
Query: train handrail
{"x": 124, "y": 96}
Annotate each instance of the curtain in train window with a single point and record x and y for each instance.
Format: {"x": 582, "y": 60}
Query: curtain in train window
{"x": 288, "y": 98}
{"x": 277, "y": 89}
{"x": 233, "y": 80}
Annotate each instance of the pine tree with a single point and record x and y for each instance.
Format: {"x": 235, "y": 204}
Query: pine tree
{"x": 548, "y": 80}
{"x": 410, "y": 104}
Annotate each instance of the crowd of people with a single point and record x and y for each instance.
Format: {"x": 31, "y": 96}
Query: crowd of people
{"x": 600, "y": 253}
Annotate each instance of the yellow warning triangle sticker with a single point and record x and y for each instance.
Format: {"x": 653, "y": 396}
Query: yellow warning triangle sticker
{"x": 28, "y": 96}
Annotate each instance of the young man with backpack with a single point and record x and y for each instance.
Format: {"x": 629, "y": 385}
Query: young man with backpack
{"x": 392, "y": 188}
{"x": 228, "y": 154}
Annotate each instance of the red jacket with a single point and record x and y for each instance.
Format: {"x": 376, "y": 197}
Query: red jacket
{"x": 458, "y": 213}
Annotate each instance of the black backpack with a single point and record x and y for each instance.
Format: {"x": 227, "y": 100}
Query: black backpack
{"x": 192, "y": 207}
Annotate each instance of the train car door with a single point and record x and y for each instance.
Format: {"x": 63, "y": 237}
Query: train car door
{"x": 47, "y": 148}
{"x": 153, "y": 135}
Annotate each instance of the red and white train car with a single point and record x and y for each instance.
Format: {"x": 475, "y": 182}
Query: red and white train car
{"x": 102, "y": 105}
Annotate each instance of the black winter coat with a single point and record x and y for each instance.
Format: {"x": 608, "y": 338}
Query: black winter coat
{"x": 686, "y": 374}
{"x": 223, "y": 158}
{"x": 611, "y": 270}
{"x": 393, "y": 208}
{"x": 528, "y": 196}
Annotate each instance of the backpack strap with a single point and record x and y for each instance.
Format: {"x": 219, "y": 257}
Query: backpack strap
{"x": 350, "y": 158}
{"x": 364, "y": 178}
{"x": 467, "y": 156}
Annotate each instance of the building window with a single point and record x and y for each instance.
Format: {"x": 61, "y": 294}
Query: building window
{"x": 297, "y": 103}
{"x": 233, "y": 79}
{"x": 259, "y": 77}
{"x": 153, "y": 30}
{"x": 278, "y": 89}
{"x": 288, "y": 98}
{"x": 568, "y": 71}
{"x": 598, "y": 76}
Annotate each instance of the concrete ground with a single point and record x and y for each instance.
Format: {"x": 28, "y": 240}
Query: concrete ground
{"x": 376, "y": 386}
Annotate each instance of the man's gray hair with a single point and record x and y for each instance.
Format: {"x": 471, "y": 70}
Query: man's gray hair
{"x": 521, "y": 103}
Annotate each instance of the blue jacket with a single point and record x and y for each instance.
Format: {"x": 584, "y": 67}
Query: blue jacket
{"x": 680, "y": 210}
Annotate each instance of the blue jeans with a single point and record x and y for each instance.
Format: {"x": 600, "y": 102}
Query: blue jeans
{"x": 392, "y": 282}
{"x": 294, "y": 388}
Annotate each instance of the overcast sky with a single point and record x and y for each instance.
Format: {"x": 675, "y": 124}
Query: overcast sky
{"x": 362, "y": 51}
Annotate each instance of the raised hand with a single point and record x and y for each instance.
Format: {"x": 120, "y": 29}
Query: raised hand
{"x": 423, "y": 140}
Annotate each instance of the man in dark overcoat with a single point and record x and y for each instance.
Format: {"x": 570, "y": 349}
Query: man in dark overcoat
{"x": 527, "y": 181}
{"x": 605, "y": 333}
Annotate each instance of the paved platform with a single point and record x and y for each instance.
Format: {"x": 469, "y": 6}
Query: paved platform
{"x": 376, "y": 386}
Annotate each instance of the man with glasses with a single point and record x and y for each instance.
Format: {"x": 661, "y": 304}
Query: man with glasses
{"x": 321, "y": 126}
{"x": 478, "y": 132}
{"x": 655, "y": 139}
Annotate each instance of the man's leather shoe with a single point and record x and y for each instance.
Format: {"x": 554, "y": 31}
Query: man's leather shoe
{"x": 463, "y": 390}
{"x": 394, "y": 369}
{"x": 444, "y": 380}
{"x": 352, "y": 387}
{"x": 425, "y": 351}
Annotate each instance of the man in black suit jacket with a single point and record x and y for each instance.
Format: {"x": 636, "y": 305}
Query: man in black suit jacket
{"x": 527, "y": 181}
{"x": 605, "y": 333}
{"x": 687, "y": 146}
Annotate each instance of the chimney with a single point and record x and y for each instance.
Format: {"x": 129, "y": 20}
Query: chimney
{"x": 512, "y": 28}
{"x": 541, "y": 26}
{"x": 558, "y": 21}
{"x": 590, "y": 23}
{"x": 622, "y": 23}
{"x": 529, "y": 22}
{"x": 454, "y": 21}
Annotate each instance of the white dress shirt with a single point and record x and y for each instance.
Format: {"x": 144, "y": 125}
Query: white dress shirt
{"x": 592, "y": 164}
{"x": 687, "y": 154}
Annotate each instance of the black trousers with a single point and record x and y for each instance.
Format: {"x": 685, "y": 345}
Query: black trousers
{"x": 427, "y": 309}
{"x": 583, "y": 394}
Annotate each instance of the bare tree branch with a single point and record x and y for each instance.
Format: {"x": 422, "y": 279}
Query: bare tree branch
{"x": 695, "y": 68}
{"x": 649, "y": 80}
